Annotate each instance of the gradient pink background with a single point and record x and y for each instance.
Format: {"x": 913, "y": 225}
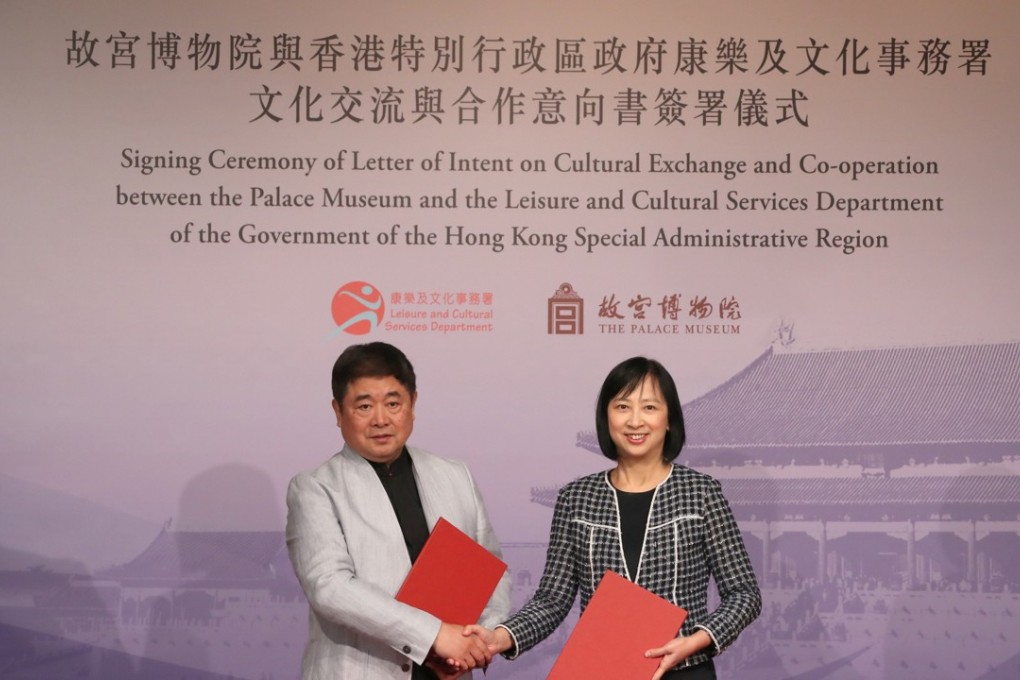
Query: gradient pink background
{"x": 157, "y": 380}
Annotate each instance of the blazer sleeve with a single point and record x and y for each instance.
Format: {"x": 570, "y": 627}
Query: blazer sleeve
{"x": 739, "y": 596}
{"x": 323, "y": 565}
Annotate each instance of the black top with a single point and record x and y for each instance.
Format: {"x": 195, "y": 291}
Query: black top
{"x": 634, "y": 508}
{"x": 398, "y": 480}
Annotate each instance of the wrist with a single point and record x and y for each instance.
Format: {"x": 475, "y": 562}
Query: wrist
{"x": 701, "y": 640}
{"x": 503, "y": 641}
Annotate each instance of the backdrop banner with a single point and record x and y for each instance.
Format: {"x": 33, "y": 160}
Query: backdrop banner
{"x": 804, "y": 209}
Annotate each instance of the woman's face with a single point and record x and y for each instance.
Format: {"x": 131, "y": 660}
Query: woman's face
{"x": 638, "y": 422}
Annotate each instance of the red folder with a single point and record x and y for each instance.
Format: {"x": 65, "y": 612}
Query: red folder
{"x": 453, "y": 577}
{"x": 621, "y": 622}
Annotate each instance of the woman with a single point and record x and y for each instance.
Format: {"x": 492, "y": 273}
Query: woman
{"x": 663, "y": 526}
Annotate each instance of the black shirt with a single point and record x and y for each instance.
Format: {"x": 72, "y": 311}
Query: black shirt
{"x": 398, "y": 480}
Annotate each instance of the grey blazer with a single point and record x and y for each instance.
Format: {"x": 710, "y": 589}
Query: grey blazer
{"x": 349, "y": 555}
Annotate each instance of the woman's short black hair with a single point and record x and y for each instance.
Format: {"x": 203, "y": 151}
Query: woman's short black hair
{"x": 624, "y": 379}
{"x": 371, "y": 360}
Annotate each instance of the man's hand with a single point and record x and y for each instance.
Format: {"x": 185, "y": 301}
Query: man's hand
{"x": 443, "y": 670}
{"x": 676, "y": 650}
{"x": 461, "y": 651}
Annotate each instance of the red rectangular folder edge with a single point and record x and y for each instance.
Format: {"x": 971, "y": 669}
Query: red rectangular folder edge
{"x": 453, "y": 577}
{"x": 621, "y": 622}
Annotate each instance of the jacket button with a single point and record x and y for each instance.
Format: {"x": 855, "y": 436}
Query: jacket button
{"x": 406, "y": 667}
{"x": 407, "y": 649}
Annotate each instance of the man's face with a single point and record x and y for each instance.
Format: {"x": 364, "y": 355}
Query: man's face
{"x": 376, "y": 417}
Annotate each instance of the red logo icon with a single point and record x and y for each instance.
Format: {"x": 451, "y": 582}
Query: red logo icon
{"x": 357, "y": 308}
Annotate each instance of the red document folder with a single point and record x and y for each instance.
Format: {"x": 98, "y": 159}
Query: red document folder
{"x": 453, "y": 577}
{"x": 621, "y": 622}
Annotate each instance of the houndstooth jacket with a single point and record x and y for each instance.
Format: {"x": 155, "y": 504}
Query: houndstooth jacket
{"x": 690, "y": 535}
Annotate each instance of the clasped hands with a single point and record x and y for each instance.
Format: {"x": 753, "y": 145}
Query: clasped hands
{"x": 459, "y": 649}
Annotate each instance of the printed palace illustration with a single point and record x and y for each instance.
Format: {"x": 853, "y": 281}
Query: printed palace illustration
{"x": 878, "y": 491}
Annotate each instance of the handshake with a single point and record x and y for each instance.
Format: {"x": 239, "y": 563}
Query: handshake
{"x": 459, "y": 649}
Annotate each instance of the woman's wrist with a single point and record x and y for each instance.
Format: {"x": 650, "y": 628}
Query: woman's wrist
{"x": 503, "y": 641}
{"x": 700, "y": 640}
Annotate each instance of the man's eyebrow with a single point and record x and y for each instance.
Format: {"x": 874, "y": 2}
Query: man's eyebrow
{"x": 366, "y": 396}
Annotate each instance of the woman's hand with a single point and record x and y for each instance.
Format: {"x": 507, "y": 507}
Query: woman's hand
{"x": 497, "y": 641}
{"x": 676, "y": 650}
{"x": 460, "y": 650}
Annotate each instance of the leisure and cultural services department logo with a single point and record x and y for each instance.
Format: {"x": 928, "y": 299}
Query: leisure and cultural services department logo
{"x": 358, "y": 308}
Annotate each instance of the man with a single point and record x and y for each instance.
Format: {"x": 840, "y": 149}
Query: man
{"x": 357, "y": 522}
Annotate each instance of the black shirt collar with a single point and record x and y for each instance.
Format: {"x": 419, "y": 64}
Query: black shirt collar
{"x": 400, "y": 466}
